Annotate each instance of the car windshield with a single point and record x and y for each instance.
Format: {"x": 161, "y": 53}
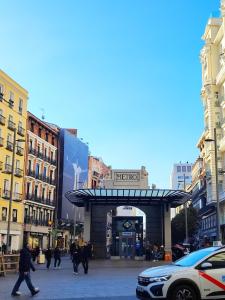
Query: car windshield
{"x": 194, "y": 257}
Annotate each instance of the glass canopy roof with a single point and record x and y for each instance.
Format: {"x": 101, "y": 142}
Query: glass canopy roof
{"x": 127, "y": 196}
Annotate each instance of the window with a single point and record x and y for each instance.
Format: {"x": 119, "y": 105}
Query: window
{"x": 52, "y": 155}
{"x": 9, "y": 138}
{"x": 178, "y": 169}
{"x": 53, "y": 141}
{"x": 10, "y": 118}
{"x": 28, "y": 190}
{"x": 45, "y": 172}
{"x": 32, "y": 127}
{"x": 4, "y": 214}
{"x": 20, "y": 124}
{"x": 36, "y": 191}
{"x": 183, "y": 169}
{"x": 189, "y": 168}
{"x": 8, "y": 160}
{"x": 46, "y": 136}
{"x": 29, "y": 165}
{"x": 39, "y": 132}
{"x": 50, "y": 195}
{"x": 43, "y": 193}
{"x": 1, "y": 112}
{"x": 37, "y": 169}
{"x": 39, "y": 148}
{"x": 30, "y": 144}
{"x": 20, "y": 106}
{"x": 11, "y": 99}
{"x": 217, "y": 260}
{"x": 45, "y": 152}
{"x": 1, "y": 92}
{"x": 14, "y": 215}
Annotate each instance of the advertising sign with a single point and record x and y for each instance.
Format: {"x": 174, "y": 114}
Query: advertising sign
{"x": 75, "y": 172}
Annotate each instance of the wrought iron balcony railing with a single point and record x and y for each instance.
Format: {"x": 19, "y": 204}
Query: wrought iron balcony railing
{"x": 21, "y": 131}
{"x": 19, "y": 172}
{"x": 2, "y": 120}
{"x": 11, "y": 125}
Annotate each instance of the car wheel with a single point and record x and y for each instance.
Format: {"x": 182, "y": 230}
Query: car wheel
{"x": 184, "y": 292}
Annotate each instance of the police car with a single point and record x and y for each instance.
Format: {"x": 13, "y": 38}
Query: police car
{"x": 199, "y": 275}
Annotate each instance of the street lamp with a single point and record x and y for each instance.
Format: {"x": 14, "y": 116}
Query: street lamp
{"x": 11, "y": 187}
{"x": 185, "y": 210}
{"x": 217, "y": 191}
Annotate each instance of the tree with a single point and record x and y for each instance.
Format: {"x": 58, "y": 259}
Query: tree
{"x": 178, "y": 224}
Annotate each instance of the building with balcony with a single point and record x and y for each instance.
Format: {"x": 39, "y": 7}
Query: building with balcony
{"x": 13, "y": 117}
{"x": 213, "y": 99}
{"x": 97, "y": 172}
{"x": 40, "y": 181}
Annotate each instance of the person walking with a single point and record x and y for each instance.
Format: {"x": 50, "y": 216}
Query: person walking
{"x": 48, "y": 256}
{"x": 84, "y": 257}
{"x": 76, "y": 258}
{"x": 25, "y": 265}
{"x": 57, "y": 257}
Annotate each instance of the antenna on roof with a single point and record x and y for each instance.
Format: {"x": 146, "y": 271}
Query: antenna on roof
{"x": 43, "y": 114}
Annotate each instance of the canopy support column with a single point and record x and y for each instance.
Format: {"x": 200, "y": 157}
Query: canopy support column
{"x": 167, "y": 232}
{"x": 87, "y": 223}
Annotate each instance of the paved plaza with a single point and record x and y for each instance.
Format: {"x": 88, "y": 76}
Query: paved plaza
{"x": 109, "y": 280}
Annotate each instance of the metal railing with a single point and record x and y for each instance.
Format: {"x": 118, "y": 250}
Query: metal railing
{"x": 2, "y": 120}
{"x": 11, "y": 125}
{"x": 9, "y": 146}
{"x": 18, "y": 172}
{"x": 1, "y": 141}
{"x": 21, "y": 131}
{"x": 8, "y": 168}
{"x": 19, "y": 150}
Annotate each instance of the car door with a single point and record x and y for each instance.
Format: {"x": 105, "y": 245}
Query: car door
{"x": 212, "y": 277}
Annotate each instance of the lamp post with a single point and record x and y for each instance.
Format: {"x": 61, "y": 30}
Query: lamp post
{"x": 217, "y": 191}
{"x": 185, "y": 210}
{"x": 11, "y": 187}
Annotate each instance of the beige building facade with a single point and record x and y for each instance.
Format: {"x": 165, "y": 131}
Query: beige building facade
{"x": 213, "y": 98}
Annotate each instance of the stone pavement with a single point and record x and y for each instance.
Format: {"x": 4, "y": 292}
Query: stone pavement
{"x": 106, "y": 280}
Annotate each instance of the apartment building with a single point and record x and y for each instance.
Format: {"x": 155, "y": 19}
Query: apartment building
{"x": 97, "y": 171}
{"x": 213, "y": 98}
{"x": 13, "y": 116}
{"x": 40, "y": 181}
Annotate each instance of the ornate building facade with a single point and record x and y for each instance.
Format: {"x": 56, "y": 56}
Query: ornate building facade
{"x": 40, "y": 181}
{"x": 213, "y": 98}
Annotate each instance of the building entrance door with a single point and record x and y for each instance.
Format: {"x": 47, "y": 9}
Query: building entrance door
{"x": 127, "y": 246}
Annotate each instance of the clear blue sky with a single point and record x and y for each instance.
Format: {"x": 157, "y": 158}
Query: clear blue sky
{"x": 126, "y": 73}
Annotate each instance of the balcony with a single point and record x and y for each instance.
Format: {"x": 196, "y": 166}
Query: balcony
{"x": 39, "y": 155}
{"x": 2, "y": 120}
{"x": 35, "y": 198}
{"x": 11, "y": 103}
{"x": 30, "y": 173}
{"x": 52, "y": 181}
{"x": 8, "y": 169}
{"x": 35, "y": 222}
{"x": 11, "y": 125}
{"x": 1, "y": 141}
{"x": 9, "y": 146}
{"x": 17, "y": 197}
{"x": 19, "y": 150}
{"x": 53, "y": 162}
{"x": 18, "y": 172}
{"x": 6, "y": 194}
{"x": 32, "y": 151}
{"x": 21, "y": 131}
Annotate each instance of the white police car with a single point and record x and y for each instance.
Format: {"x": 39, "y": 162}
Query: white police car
{"x": 199, "y": 275}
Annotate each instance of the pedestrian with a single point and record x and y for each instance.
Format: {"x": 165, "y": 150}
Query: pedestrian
{"x": 25, "y": 265}
{"x": 48, "y": 256}
{"x": 84, "y": 257}
{"x": 90, "y": 249}
{"x": 57, "y": 257}
{"x": 37, "y": 252}
{"x": 76, "y": 258}
{"x": 72, "y": 247}
{"x": 4, "y": 248}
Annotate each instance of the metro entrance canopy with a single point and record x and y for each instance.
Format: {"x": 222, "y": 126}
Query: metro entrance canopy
{"x": 155, "y": 203}
{"x": 127, "y": 196}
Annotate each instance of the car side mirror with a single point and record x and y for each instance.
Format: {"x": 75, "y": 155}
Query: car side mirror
{"x": 206, "y": 265}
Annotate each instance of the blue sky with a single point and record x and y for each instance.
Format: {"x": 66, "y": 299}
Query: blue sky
{"x": 126, "y": 73}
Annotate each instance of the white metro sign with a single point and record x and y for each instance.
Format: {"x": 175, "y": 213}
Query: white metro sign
{"x": 127, "y": 176}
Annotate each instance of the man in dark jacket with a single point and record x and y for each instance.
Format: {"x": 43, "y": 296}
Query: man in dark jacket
{"x": 84, "y": 257}
{"x": 25, "y": 265}
{"x": 76, "y": 258}
{"x": 57, "y": 257}
{"x": 48, "y": 256}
